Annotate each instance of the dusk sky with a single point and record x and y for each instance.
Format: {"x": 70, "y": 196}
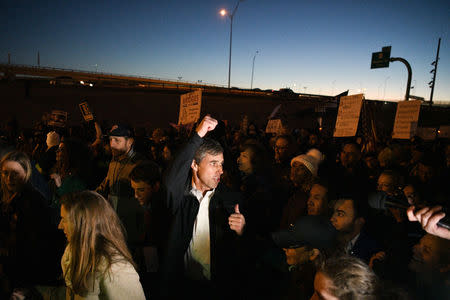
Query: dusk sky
{"x": 318, "y": 47}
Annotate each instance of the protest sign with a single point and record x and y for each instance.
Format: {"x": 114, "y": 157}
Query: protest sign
{"x": 348, "y": 115}
{"x": 190, "y": 107}
{"x": 86, "y": 111}
{"x": 406, "y": 118}
{"x": 274, "y": 126}
{"x": 57, "y": 118}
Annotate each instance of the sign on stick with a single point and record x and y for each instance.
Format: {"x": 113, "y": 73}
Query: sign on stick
{"x": 348, "y": 115}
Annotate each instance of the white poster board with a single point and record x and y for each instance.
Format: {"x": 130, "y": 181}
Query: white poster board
{"x": 406, "y": 118}
{"x": 348, "y": 115}
{"x": 274, "y": 126}
{"x": 190, "y": 106}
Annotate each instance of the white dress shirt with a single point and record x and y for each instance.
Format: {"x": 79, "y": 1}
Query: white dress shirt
{"x": 197, "y": 259}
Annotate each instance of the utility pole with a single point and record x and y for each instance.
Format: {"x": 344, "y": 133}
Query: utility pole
{"x": 39, "y": 60}
{"x": 435, "y": 64}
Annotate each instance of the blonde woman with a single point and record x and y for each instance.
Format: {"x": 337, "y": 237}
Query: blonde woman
{"x": 96, "y": 263}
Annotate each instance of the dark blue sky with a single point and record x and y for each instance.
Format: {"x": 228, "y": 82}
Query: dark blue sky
{"x": 310, "y": 46}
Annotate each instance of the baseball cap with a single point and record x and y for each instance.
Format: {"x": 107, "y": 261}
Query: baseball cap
{"x": 314, "y": 231}
{"x": 120, "y": 130}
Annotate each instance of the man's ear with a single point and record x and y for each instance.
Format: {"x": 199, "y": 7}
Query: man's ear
{"x": 360, "y": 221}
{"x": 194, "y": 165}
{"x": 314, "y": 254}
{"x": 130, "y": 142}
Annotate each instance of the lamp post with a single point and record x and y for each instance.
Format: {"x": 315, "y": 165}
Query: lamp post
{"x": 223, "y": 12}
{"x": 253, "y": 69}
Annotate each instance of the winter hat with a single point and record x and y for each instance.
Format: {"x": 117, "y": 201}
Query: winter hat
{"x": 316, "y": 154}
{"x": 310, "y": 162}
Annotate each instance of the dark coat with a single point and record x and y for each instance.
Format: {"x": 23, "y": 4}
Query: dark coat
{"x": 35, "y": 246}
{"x": 365, "y": 247}
{"x": 184, "y": 207}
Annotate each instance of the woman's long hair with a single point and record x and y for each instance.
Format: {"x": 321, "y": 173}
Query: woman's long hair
{"x": 23, "y": 160}
{"x": 97, "y": 239}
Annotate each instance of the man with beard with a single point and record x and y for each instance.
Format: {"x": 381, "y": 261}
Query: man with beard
{"x": 431, "y": 266}
{"x": 349, "y": 218}
{"x": 116, "y": 186}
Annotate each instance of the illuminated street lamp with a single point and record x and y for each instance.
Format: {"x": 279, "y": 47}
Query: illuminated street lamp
{"x": 223, "y": 13}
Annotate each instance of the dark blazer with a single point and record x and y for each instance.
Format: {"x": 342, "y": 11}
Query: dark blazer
{"x": 365, "y": 247}
{"x": 184, "y": 206}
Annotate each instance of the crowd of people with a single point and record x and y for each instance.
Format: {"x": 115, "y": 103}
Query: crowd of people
{"x": 213, "y": 211}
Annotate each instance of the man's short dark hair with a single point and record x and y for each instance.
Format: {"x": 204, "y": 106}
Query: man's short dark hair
{"x": 360, "y": 208}
{"x": 209, "y": 146}
{"x": 146, "y": 171}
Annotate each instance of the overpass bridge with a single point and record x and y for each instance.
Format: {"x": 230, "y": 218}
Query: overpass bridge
{"x": 61, "y": 76}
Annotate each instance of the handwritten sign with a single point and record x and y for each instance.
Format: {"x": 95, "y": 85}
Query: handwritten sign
{"x": 348, "y": 115}
{"x": 406, "y": 118}
{"x": 57, "y": 118}
{"x": 190, "y": 106}
{"x": 86, "y": 111}
{"x": 274, "y": 126}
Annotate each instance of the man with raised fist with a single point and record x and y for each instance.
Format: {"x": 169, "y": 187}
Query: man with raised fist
{"x": 202, "y": 258}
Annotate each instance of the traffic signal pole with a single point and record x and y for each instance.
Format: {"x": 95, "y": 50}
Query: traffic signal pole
{"x": 408, "y": 85}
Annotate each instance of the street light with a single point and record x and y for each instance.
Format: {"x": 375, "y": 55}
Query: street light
{"x": 253, "y": 68}
{"x": 224, "y": 12}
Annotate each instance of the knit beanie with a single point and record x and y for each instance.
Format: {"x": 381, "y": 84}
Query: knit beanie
{"x": 310, "y": 162}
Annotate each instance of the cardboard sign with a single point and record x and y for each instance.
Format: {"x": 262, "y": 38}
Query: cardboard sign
{"x": 348, "y": 115}
{"x": 57, "y": 118}
{"x": 274, "y": 126}
{"x": 426, "y": 133}
{"x": 190, "y": 106}
{"x": 444, "y": 132}
{"x": 86, "y": 111}
{"x": 406, "y": 118}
